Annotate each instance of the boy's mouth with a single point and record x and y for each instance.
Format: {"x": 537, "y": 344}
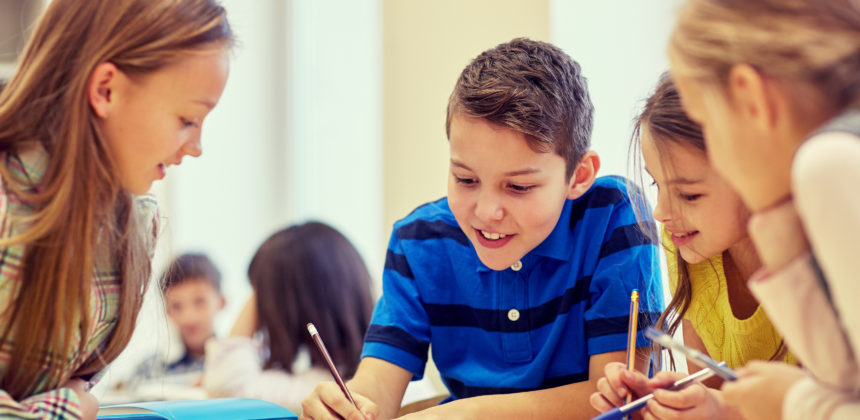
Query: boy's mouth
{"x": 493, "y": 239}
{"x": 492, "y": 236}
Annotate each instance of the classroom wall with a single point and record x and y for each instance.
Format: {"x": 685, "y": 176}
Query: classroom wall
{"x": 426, "y": 45}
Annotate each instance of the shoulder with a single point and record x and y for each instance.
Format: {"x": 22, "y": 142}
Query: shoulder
{"x": 608, "y": 206}
{"x": 434, "y": 210}
{"x": 606, "y": 191}
{"x": 433, "y": 220}
{"x": 149, "y": 218}
{"x": 824, "y": 159}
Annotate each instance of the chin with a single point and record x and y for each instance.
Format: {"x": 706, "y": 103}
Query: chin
{"x": 692, "y": 257}
{"x": 139, "y": 189}
{"x": 497, "y": 264}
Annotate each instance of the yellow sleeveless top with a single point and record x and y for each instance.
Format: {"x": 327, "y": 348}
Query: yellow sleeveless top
{"x": 736, "y": 341}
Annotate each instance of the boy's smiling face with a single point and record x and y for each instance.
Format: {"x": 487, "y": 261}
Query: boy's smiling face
{"x": 506, "y": 197}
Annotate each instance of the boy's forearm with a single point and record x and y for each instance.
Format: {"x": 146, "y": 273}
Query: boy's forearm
{"x": 383, "y": 383}
{"x": 564, "y": 402}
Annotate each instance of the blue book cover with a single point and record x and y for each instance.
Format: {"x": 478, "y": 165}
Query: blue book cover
{"x": 211, "y": 409}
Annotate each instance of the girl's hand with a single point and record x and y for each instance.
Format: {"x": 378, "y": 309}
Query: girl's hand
{"x": 328, "y": 402}
{"x": 761, "y": 389}
{"x": 617, "y": 382}
{"x": 693, "y": 402}
{"x": 89, "y": 403}
{"x": 247, "y": 322}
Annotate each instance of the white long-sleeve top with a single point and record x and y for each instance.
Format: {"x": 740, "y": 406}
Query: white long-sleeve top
{"x": 234, "y": 369}
{"x": 821, "y": 327}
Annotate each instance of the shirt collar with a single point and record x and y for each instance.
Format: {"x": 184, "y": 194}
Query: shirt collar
{"x": 29, "y": 164}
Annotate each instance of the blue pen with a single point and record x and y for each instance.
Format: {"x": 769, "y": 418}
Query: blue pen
{"x": 697, "y": 357}
{"x": 619, "y": 412}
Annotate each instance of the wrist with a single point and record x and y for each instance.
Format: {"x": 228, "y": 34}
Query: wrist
{"x": 778, "y": 235}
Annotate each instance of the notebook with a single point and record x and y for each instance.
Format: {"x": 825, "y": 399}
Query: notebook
{"x": 211, "y": 409}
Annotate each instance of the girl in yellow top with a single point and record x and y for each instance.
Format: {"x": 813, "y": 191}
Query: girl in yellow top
{"x": 709, "y": 256}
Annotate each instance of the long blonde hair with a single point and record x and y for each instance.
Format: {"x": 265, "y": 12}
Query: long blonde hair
{"x": 79, "y": 201}
{"x": 814, "y": 41}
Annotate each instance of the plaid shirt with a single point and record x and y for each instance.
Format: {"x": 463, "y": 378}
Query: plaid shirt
{"x": 60, "y": 403}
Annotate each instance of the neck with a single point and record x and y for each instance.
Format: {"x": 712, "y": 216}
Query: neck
{"x": 739, "y": 263}
{"x": 197, "y": 350}
{"x": 745, "y": 258}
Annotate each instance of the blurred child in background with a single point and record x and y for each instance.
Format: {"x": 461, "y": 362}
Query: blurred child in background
{"x": 304, "y": 273}
{"x": 191, "y": 286}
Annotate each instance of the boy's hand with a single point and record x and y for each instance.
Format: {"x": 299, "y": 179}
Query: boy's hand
{"x": 328, "y": 402}
{"x": 694, "y": 401}
{"x": 89, "y": 403}
{"x": 617, "y": 382}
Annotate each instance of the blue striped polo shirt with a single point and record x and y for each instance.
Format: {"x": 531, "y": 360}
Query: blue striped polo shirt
{"x": 495, "y": 332}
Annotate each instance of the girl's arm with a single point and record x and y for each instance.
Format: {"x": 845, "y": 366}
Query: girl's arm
{"x": 825, "y": 175}
{"x": 816, "y": 310}
{"x": 233, "y": 370}
{"x": 59, "y": 404}
{"x": 247, "y": 322}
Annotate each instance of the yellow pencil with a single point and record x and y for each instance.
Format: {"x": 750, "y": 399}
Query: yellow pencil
{"x": 631, "y": 334}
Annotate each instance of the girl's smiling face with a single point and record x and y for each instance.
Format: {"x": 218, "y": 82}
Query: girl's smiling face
{"x": 703, "y": 214}
{"x": 152, "y": 121}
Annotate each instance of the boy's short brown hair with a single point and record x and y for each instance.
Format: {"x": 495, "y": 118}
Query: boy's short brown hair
{"x": 188, "y": 266}
{"x": 532, "y": 87}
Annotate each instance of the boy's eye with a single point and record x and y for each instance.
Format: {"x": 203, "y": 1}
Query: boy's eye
{"x": 187, "y": 123}
{"x": 465, "y": 181}
{"x": 520, "y": 188}
{"x": 690, "y": 197}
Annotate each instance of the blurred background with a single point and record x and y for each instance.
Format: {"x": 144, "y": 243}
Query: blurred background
{"x": 335, "y": 110}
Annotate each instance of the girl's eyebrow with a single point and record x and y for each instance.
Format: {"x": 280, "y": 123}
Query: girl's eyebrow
{"x": 685, "y": 181}
{"x": 680, "y": 180}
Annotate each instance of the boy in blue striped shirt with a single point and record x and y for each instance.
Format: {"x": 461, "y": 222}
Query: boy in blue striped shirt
{"x": 520, "y": 279}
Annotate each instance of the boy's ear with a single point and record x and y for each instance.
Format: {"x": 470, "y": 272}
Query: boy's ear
{"x": 751, "y": 97}
{"x": 221, "y": 302}
{"x": 102, "y": 88}
{"x": 584, "y": 175}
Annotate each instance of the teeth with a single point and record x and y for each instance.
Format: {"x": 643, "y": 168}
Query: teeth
{"x": 683, "y": 235}
{"x": 493, "y": 236}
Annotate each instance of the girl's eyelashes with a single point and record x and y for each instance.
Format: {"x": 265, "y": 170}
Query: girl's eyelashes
{"x": 188, "y": 123}
{"x": 465, "y": 181}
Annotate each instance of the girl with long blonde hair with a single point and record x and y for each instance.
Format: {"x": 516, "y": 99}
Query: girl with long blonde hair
{"x": 776, "y": 86}
{"x": 107, "y": 94}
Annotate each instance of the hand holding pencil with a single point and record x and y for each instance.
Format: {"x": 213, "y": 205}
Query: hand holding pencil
{"x": 328, "y": 399}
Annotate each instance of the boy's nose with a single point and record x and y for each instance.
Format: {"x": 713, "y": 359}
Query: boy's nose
{"x": 489, "y": 207}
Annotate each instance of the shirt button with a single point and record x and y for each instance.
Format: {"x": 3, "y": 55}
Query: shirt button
{"x": 513, "y": 315}
{"x": 517, "y": 266}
